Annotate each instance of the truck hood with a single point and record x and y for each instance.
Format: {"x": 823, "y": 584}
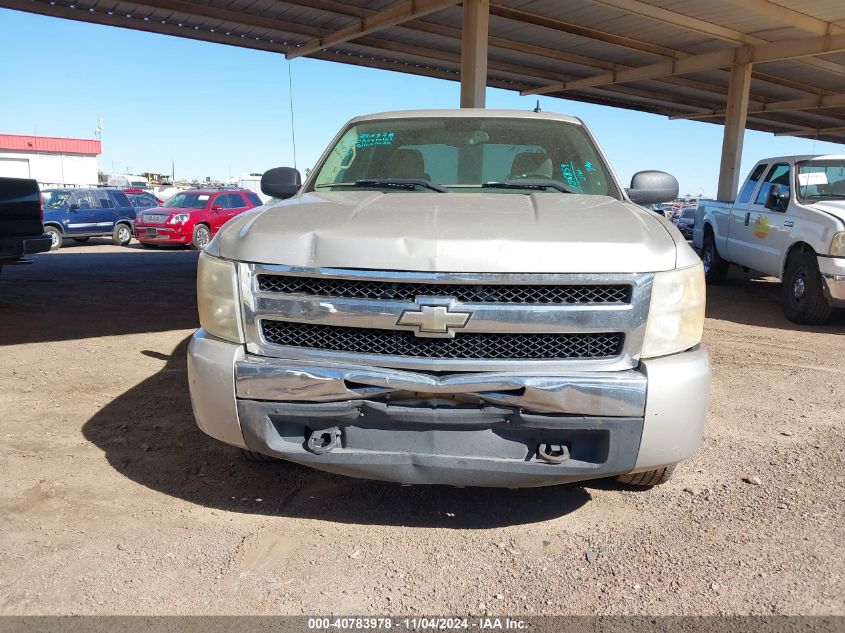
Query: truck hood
{"x": 833, "y": 207}
{"x": 451, "y": 232}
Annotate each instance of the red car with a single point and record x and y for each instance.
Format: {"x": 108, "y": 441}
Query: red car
{"x": 192, "y": 217}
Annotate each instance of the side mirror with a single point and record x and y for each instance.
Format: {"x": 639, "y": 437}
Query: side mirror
{"x": 777, "y": 199}
{"x": 281, "y": 182}
{"x": 216, "y": 207}
{"x": 74, "y": 207}
{"x": 651, "y": 187}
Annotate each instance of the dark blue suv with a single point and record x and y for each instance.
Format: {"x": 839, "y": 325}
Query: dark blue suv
{"x": 82, "y": 213}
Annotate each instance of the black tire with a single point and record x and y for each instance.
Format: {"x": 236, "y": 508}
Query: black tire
{"x": 802, "y": 292}
{"x": 715, "y": 268}
{"x": 648, "y": 478}
{"x": 122, "y": 234}
{"x": 56, "y": 237}
{"x": 201, "y": 238}
{"x": 81, "y": 240}
{"x": 254, "y": 457}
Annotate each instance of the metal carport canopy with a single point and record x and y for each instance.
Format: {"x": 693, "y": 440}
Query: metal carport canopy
{"x": 773, "y": 66}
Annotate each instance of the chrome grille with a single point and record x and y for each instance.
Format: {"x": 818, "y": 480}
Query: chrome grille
{"x": 465, "y": 346}
{"x": 467, "y": 293}
{"x": 154, "y": 219}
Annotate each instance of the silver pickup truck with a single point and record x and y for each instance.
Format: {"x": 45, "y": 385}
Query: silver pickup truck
{"x": 463, "y": 297}
{"x": 789, "y": 222}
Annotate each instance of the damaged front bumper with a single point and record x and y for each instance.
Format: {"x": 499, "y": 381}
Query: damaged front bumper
{"x": 466, "y": 429}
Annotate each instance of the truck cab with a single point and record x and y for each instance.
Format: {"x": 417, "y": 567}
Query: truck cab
{"x": 788, "y": 221}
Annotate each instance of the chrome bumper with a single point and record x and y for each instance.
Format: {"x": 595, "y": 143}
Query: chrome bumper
{"x": 616, "y": 393}
{"x": 484, "y": 429}
{"x": 832, "y": 270}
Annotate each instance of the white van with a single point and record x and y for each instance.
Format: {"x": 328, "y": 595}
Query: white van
{"x": 129, "y": 181}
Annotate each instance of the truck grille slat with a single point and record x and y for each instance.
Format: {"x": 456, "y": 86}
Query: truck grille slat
{"x": 466, "y": 293}
{"x": 474, "y": 346}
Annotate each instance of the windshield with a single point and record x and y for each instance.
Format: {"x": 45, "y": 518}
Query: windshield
{"x": 461, "y": 154}
{"x": 821, "y": 179}
{"x": 138, "y": 184}
{"x": 688, "y": 213}
{"x": 188, "y": 201}
{"x": 54, "y": 198}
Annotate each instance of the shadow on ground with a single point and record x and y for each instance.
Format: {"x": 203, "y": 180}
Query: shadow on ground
{"x": 149, "y": 435}
{"x": 89, "y": 291}
{"x": 753, "y": 299}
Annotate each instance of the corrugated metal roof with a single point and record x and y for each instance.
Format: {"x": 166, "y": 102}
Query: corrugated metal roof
{"x": 18, "y": 143}
{"x": 535, "y": 43}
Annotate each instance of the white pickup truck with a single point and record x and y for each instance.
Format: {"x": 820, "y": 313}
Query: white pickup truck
{"x": 789, "y": 222}
{"x": 464, "y": 297}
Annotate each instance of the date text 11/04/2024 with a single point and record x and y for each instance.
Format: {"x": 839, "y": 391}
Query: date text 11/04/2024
{"x": 417, "y": 624}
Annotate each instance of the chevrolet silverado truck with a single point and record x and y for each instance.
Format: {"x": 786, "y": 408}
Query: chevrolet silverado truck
{"x": 462, "y": 297}
{"x": 21, "y": 227}
{"x": 788, "y": 221}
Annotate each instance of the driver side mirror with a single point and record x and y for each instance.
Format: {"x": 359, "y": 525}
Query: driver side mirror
{"x": 74, "y": 207}
{"x": 281, "y": 182}
{"x": 651, "y": 187}
{"x": 777, "y": 199}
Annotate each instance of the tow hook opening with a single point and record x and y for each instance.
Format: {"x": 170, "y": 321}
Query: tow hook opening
{"x": 553, "y": 453}
{"x": 324, "y": 440}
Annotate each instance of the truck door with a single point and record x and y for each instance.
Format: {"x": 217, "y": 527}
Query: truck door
{"x": 767, "y": 233}
{"x": 737, "y": 233}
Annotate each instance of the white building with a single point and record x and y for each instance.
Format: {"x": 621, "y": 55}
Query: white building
{"x": 49, "y": 160}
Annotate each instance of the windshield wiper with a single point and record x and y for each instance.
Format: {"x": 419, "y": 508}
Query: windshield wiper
{"x": 527, "y": 184}
{"x": 398, "y": 183}
{"x": 822, "y": 196}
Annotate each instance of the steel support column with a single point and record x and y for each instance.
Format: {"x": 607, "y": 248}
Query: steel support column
{"x": 474, "y": 53}
{"x": 735, "y": 115}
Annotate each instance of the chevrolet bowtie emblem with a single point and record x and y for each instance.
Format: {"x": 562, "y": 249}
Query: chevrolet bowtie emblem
{"x": 433, "y": 318}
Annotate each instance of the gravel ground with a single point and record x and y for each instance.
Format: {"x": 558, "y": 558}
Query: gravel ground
{"x": 113, "y": 501}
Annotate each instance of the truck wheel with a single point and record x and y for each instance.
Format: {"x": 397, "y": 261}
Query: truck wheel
{"x": 715, "y": 268}
{"x": 55, "y": 237}
{"x": 81, "y": 240}
{"x": 202, "y": 236}
{"x": 648, "y": 478}
{"x": 121, "y": 235}
{"x": 803, "y": 297}
{"x": 254, "y": 457}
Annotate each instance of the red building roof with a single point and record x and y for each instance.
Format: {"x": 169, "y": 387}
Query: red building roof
{"x": 18, "y": 143}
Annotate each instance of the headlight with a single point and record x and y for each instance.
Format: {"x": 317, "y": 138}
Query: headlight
{"x": 676, "y": 315}
{"x": 179, "y": 218}
{"x": 837, "y": 246}
{"x": 217, "y": 298}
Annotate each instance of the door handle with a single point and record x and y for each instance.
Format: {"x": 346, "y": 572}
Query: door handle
{"x": 747, "y": 218}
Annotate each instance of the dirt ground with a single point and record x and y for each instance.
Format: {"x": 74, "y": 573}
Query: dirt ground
{"x": 114, "y": 502}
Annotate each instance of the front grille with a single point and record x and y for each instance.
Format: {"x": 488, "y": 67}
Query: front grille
{"x": 467, "y": 293}
{"x": 467, "y": 346}
{"x": 154, "y": 219}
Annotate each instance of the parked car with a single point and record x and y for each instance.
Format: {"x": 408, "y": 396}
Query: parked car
{"x": 21, "y": 228}
{"x": 80, "y": 214}
{"x": 789, "y": 222}
{"x": 462, "y": 297}
{"x": 129, "y": 181}
{"x": 136, "y": 191}
{"x": 192, "y": 217}
{"x": 142, "y": 200}
{"x": 686, "y": 222}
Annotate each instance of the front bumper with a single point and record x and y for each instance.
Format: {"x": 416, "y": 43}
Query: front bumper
{"x": 159, "y": 234}
{"x": 484, "y": 429}
{"x": 832, "y": 270}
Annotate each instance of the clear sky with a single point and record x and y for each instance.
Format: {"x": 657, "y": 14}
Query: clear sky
{"x": 219, "y": 110}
